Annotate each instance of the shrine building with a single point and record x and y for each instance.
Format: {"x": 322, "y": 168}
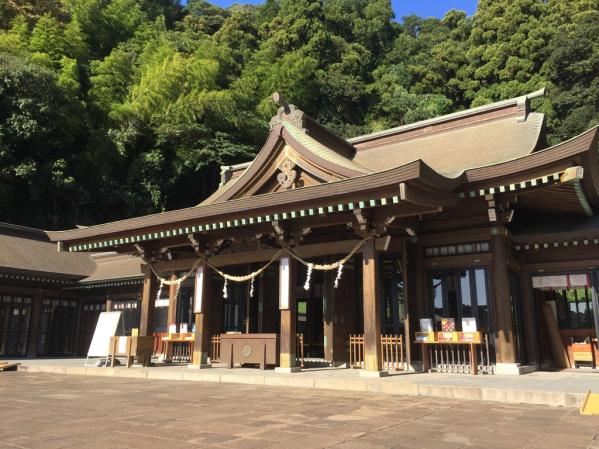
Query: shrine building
{"x": 460, "y": 243}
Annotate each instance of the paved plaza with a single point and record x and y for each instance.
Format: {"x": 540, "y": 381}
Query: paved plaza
{"x": 42, "y": 410}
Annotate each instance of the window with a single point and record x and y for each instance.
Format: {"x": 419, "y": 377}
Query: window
{"x": 393, "y": 296}
{"x": 129, "y": 309}
{"x": 460, "y": 293}
{"x": 572, "y": 296}
{"x": 56, "y": 334}
{"x": 15, "y": 317}
{"x": 452, "y": 250}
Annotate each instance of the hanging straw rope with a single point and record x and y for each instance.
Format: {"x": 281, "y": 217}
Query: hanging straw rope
{"x": 177, "y": 281}
{"x": 251, "y": 276}
{"x": 329, "y": 266}
{"x": 247, "y": 277}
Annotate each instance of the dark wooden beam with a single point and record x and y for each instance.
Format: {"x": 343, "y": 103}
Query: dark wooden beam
{"x": 426, "y": 197}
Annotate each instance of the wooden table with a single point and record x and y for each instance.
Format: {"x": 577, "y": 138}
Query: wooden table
{"x": 260, "y": 349}
{"x": 138, "y": 347}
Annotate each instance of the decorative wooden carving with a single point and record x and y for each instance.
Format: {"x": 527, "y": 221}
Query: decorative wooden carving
{"x": 288, "y": 175}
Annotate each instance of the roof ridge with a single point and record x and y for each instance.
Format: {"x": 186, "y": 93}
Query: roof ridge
{"x": 521, "y": 100}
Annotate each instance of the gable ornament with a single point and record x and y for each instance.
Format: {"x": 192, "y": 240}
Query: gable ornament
{"x": 288, "y": 175}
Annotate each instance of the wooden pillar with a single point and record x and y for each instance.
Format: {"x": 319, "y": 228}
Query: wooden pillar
{"x": 504, "y": 340}
{"x": 78, "y": 328}
{"x": 530, "y": 321}
{"x": 329, "y": 316}
{"x": 204, "y": 309}
{"x": 407, "y": 309}
{"x": 288, "y": 308}
{"x": 36, "y": 312}
{"x": 173, "y": 296}
{"x": 148, "y": 304}
{"x": 108, "y": 305}
{"x": 372, "y": 309}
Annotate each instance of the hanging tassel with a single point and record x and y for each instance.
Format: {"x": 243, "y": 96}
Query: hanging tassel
{"x": 308, "y": 276}
{"x": 225, "y": 294}
{"x": 159, "y": 293}
{"x": 252, "y": 288}
{"x": 338, "y": 278}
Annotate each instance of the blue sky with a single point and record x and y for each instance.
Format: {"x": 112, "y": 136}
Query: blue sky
{"x": 423, "y": 8}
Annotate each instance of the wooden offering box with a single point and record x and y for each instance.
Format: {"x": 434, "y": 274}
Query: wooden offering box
{"x": 132, "y": 347}
{"x": 260, "y": 349}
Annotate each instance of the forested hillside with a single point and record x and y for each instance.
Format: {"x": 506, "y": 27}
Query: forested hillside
{"x": 117, "y": 108}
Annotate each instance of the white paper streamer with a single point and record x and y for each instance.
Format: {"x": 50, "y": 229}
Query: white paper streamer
{"x": 308, "y": 276}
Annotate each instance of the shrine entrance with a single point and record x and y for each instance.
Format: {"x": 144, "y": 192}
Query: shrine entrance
{"x": 310, "y": 313}
{"x": 310, "y": 325}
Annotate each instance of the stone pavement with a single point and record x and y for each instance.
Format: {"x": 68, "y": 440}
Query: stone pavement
{"x": 565, "y": 389}
{"x": 49, "y": 411}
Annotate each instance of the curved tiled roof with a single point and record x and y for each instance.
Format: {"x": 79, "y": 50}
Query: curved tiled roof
{"x": 30, "y": 250}
{"x": 453, "y": 151}
{"x": 323, "y": 151}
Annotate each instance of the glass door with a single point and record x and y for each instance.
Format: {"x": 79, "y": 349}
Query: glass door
{"x": 459, "y": 293}
{"x": 393, "y": 296}
{"x": 15, "y": 317}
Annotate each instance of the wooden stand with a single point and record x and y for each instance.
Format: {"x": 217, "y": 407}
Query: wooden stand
{"x": 136, "y": 347}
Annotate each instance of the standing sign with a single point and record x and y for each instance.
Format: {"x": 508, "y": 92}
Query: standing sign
{"x": 109, "y": 323}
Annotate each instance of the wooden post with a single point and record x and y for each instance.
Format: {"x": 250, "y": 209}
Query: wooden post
{"x": 329, "y": 317}
{"x": 173, "y": 294}
{"x": 407, "y": 294}
{"x": 108, "y": 305}
{"x": 204, "y": 319}
{"x": 148, "y": 303}
{"x": 505, "y": 344}
{"x": 36, "y": 311}
{"x": 288, "y": 308}
{"x": 372, "y": 316}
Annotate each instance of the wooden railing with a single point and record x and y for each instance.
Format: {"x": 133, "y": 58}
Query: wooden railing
{"x": 215, "y": 348}
{"x": 392, "y": 352}
{"x": 356, "y": 351}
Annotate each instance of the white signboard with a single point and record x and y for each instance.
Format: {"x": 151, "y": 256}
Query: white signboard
{"x": 199, "y": 289}
{"x": 122, "y": 345}
{"x": 284, "y": 282}
{"x": 468, "y": 324}
{"x": 426, "y": 325}
{"x": 107, "y": 326}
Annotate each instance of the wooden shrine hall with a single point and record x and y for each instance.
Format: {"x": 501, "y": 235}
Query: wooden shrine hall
{"x": 394, "y": 250}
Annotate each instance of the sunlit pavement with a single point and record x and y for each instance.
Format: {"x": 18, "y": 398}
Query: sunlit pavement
{"x": 53, "y": 411}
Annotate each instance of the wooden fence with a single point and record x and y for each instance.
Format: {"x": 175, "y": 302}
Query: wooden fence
{"x": 392, "y": 352}
{"x": 215, "y": 348}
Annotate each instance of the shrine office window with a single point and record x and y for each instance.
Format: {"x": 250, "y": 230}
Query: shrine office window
{"x": 571, "y": 294}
